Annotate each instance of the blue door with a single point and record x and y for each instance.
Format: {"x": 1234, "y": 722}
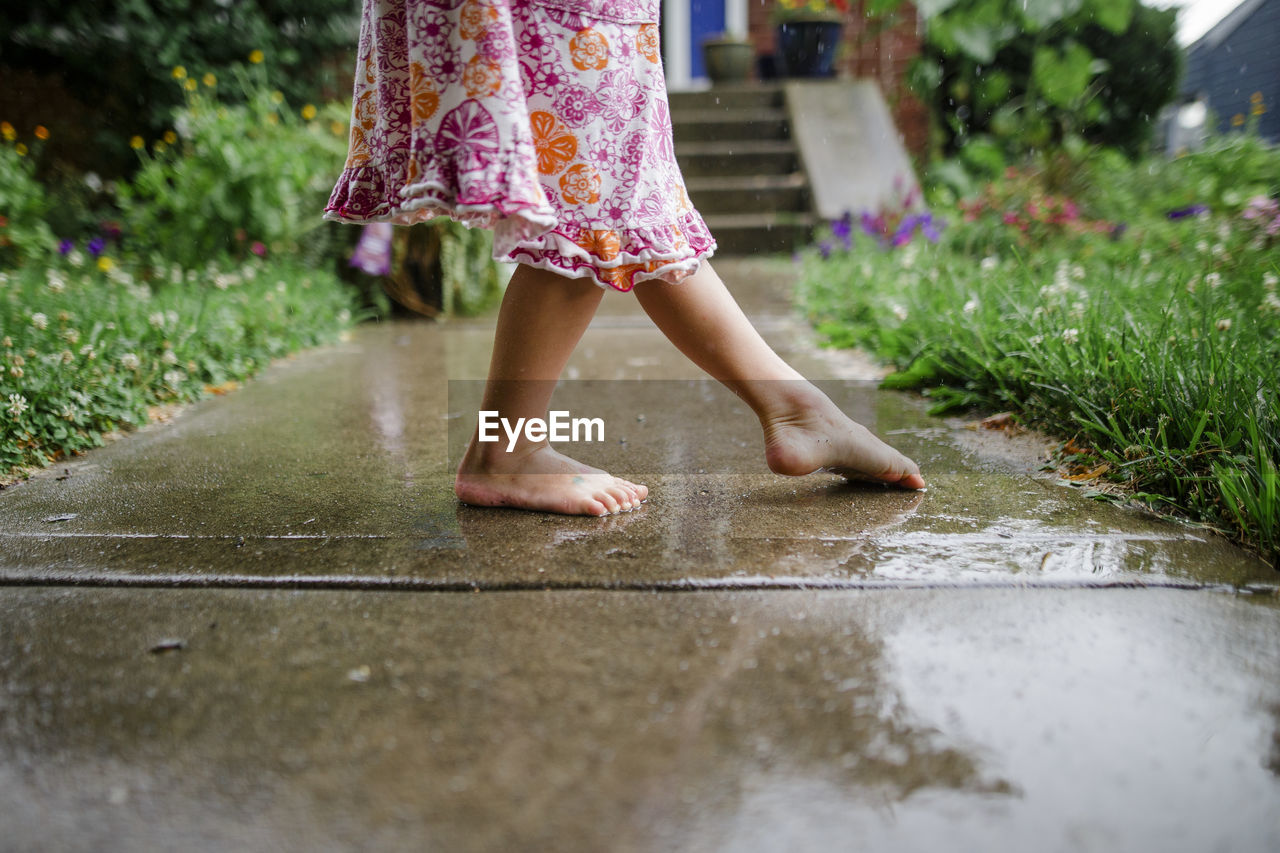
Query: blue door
{"x": 706, "y": 18}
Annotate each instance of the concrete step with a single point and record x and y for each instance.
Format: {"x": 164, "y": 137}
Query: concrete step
{"x": 756, "y": 233}
{"x": 740, "y": 194}
{"x": 709, "y": 126}
{"x": 757, "y": 157}
{"x": 746, "y": 97}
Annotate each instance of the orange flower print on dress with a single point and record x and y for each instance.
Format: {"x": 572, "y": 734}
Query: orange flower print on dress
{"x": 589, "y": 50}
{"x": 603, "y": 244}
{"x": 477, "y": 16}
{"x": 580, "y": 185}
{"x": 647, "y": 43}
{"x": 621, "y": 277}
{"x": 555, "y": 144}
{"x": 422, "y": 93}
{"x": 482, "y": 78}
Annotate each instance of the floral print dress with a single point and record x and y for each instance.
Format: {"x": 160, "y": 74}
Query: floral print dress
{"x": 544, "y": 120}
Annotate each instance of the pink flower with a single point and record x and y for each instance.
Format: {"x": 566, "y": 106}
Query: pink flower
{"x": 258, "y": 248}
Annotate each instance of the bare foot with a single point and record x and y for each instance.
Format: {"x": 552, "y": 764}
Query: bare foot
{"x": 813, "y": 434}
{"x": 539, "y": 478}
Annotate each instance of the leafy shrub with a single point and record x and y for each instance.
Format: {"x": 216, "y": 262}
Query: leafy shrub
{"x": 103, "y": 68}
{"x": 1026, "y": 74}
{"x": 24, "y": 236}
{"x": 233, "y": 178}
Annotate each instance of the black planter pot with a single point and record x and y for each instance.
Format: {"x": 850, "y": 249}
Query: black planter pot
{"x": 808, "y": 48}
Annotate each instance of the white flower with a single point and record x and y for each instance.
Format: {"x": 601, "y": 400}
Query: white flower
{"x": 1071, "y": 336}
{"x": 92, "y": 181}
{"x": 899, "y": 311}
{"x": 40, "y": 321}
{"x": 344, "y": 316}
{"x": 169, "y": 357}
{"x": 1144, "y": 257}
{"x": 1213, "y": 279}
{"x": 989, "y": 263}
{"x": 156, "y": 319}
{"x": 1077, "y": 272}
{"x": 1202, "y": 246}
{"x": 76, "y": 258}
{"x": 281, "y": 287}
{"x": 16, "y": 371}
{"x": 130, "y": 361}
{"x": 174, "y": 377}
{"x": 971, "y": 306}
{"x": 56, "y": 282}
{"x": 87, "y": 351}
{"x": 1269, "y": 282}
{"x": 1035, "y": 340}
{"x": 71, "y": 336}
{"x": 1224, "y": 324}
{"x": 69, "y": 413}
{"x": 17, "y": 405}
{"x": 1219, "y": 250}
{"x": 1270, "y": 304}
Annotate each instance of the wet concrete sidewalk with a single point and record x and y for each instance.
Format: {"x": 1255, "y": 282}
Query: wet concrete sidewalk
{"x": 270, "y": 625}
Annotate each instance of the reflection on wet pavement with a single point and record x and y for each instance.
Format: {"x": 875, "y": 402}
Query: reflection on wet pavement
{"x": 760, "y": 721}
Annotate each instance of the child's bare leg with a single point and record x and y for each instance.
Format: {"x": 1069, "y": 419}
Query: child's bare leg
{"x": 543, "y": 315}
{"x": 803, "y": 430}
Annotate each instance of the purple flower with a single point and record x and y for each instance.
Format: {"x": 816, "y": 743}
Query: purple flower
{"x": 931, "y": 228}
{"x": 842, "y": 229}
{"x": 65, "y": 247}
{"x": 1184, "y": 212}
{"x": 96, "y": 245}
{"x": 825, "y": 248}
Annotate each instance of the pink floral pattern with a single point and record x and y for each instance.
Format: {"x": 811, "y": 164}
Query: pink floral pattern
{"x": 544, "y": 120}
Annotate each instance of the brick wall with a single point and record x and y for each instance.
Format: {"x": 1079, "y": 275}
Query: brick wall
{"x": 870, "y": 50}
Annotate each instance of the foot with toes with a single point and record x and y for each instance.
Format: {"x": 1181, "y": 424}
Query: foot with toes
{"x": 538, "y": 478}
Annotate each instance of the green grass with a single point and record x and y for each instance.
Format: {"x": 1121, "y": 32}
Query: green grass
{"x": 1157, "y": 348}
{"x": 84, "y": 351}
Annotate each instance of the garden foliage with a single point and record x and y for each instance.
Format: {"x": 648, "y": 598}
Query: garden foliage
{"x": 1006, "y": 76}
{"x": 1140, "y": 316}
{"x": 112, "y": 61}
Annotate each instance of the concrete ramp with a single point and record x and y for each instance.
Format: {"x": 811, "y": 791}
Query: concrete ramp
{"x": 849, "y": 146}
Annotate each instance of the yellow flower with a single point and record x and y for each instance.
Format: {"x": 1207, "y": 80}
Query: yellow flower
{"x": 309, "y": 112}
{"x": 256, "y": 56}
{"x": 337, "y": 128}
{"x": 1257, "y": 109}
{"x": 210, "y": 80}
{"x": 170, "y": 137}
{"x": 1255, "y": 98}
{"x": 190, "y": 85}
{"x": 105, "y": 264}
{"x": 179, "y": 72}
{"x": 42, "y": 132}
{"x": 7, "y": 131}
{"x": 136, "y": 143}
{"x": 272, "y": 118}
{"x": 21, "y": 149}
{"x": 277, "y": 97}
{"x": 159, "y": 146}
{"x": 1237, "y": 120}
